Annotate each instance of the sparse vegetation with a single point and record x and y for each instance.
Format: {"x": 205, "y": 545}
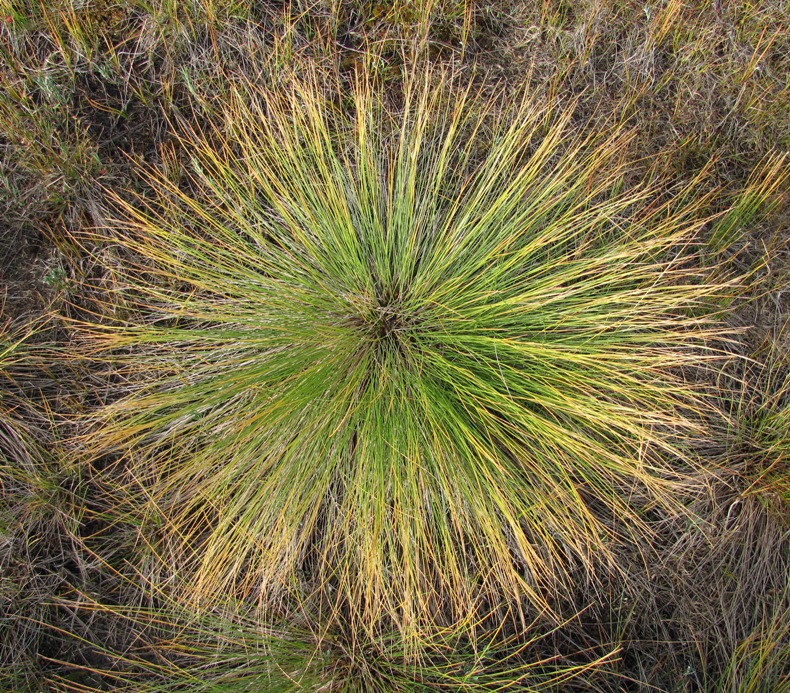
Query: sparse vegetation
{"x": 394, "y": 346}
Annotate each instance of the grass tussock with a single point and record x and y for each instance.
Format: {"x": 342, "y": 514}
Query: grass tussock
{"x": 411, "y": 358}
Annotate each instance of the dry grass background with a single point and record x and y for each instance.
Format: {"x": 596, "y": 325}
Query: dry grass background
{"x": 93, "y": 94}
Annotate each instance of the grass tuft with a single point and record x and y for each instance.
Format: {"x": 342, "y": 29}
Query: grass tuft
{"x": 406, "y": 358}
{"x": 40, "y": 511}
{"x": 171, "y": 648}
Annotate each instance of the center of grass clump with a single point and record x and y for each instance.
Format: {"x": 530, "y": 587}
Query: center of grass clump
{"x": 386, "y": 326}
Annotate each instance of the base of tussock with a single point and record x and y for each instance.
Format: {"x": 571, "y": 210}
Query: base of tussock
{"x": 91, "y": 90}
